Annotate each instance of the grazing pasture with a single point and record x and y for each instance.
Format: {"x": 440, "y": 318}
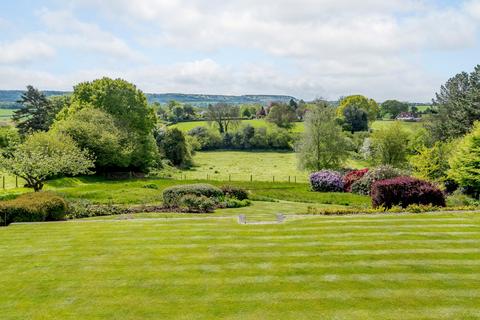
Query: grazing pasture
{"x": 363, "y": 267}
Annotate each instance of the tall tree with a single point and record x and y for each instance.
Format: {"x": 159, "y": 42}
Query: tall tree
{"x": 282, "y": 115}
{"x": 224, "y": 116}
{"x": 355, "y": 119}
{"x": 35, "y": 114}
{"x": 131, "y": 114}
{"x": 361, "y": 102}
{"x": 393, "y": 108}
{"x": 457, "y": 105}
{"x": 44, "y": 155}
{"x": 390, "y": 145}
{"x": 323, "y": 144}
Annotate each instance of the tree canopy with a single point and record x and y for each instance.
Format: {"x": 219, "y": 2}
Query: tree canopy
{"x": 360, "y": 102}
{"x": 133, "y": 118}
{"x": 282, "y": 114}
{"x": 392, "y": 108}
{"x": 323, "y": 144}
{"x": 36, "y": 112}
{"x": 44, "y": 155}
{"x": 457, "y": 105}
{"x": 224, "y": 116}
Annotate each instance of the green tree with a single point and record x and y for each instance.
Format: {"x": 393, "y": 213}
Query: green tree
{"x": 457, "y": 105}
{"x": 174, "y": 146}
{"x": 465, "y": 162}
{"x": 323, "y": 144}
{"x": 44, "y": 155}
{"x": 95, "y": 130}
{"x": 36, "y": 113}
{"x": 431, "y": 163}
{"x": 224, "y": 116}
{"x": 390, "y": 145}
{"x": 393, "y": 108}
{"x": 354, "y": 119}
{"x": 131, "y": 113}
{"x": 282, "y": 115}
{"x": 361, "y": 102}
{"x": 9, "y": 139}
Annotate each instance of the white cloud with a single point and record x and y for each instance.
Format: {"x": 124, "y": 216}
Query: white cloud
{"x": 24, "y": 50}
{"x": 65, "y": 30}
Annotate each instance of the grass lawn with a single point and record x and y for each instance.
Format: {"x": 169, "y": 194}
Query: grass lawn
{"x": 358, "y": 267}
{"x": 240, "y": 165}
{"x": 102, "y": 191}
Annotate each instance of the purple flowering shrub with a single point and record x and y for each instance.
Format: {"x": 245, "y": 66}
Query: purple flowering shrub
{"x": 326, "y": 181}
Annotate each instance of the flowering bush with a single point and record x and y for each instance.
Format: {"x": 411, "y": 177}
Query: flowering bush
{"x": 363, "y": 186}
{"x": 326, "y": 181}
{"x": 405, "y": 191}
{"x": 351, "y": 177}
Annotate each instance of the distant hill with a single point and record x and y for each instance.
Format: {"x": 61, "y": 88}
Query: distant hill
{"x": 8, "y": 98}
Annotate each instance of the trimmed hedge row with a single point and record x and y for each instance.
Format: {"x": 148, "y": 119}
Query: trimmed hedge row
{"x": 33, "y": 207}
{"x": 405, "y": 191}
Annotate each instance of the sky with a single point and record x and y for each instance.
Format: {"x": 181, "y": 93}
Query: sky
{"x": 384, "y": 49}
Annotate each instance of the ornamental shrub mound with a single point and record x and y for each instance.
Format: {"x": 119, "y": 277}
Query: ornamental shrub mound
{"x": 405, "y": 191}
{"x": 234, "y": 192}
{"x": 172, "y": 195}
{"x": 363, "y": 186}
{"x": 351, "y": 177}
{"x": 326, "y": 181}
{"x": 33, "y": 207}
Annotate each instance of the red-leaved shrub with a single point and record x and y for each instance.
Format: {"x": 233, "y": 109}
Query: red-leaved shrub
{"x": 404, "y": 191}
{"x": 351, "y": 177}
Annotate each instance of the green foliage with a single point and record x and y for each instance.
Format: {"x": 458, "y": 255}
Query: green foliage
{"x": 44, "y": 155}
{"x": 36, "y": 113}
{"x": 392, "y": 108}
{"x": 224, "y": 116}
{"x": 323, "y": 144}
{"x": 458, "y": 199}
{"x": 174, "y": 147}
{"x": 465, "y": 162}
{"x": 207, "y": 138}
{"x": 132, "y": 116}
{"x": 282, "y": 115}
{"x": 457, "y": 106}
{"x": 81, "y": 208}
{"x": 234, "y": 192}
{"x": 359, "y": 102}
{"x": 172, "y": 195}
{"x": 389, "y": 145}
{"x": 354, "y": 119}
{"x": 32, "y": 207}
{"x": 234, "y": 203}
{"x": 364, "y": 185}
{"x": 95, "y": 130}
{"x": 431, "y": 163}
{"x": 9, "y": 139}
{"x": 196, "y": 204}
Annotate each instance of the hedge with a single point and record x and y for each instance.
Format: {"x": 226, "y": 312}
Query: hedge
{"x": 405, "y": 191}
{"x": 33, "y": 207}
{"x": 172, "y": 195}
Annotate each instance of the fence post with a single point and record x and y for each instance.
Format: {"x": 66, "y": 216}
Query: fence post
{"x": 288, "y": 179}
{"x": 16, "y": 181}
{"x": 229, "y": 177}
{"x": 251, "y": 177}
{"x": 295, "y": 179}
{"x": 3, "y": 182}
{"x": 273, "y": 180}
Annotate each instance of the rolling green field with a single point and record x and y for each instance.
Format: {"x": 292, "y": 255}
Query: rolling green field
{"x": 298, "y": 127}
{"x": 357, "y": 267}
{"x": 246, "y": 165}
{"x": 5, "y": 116}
